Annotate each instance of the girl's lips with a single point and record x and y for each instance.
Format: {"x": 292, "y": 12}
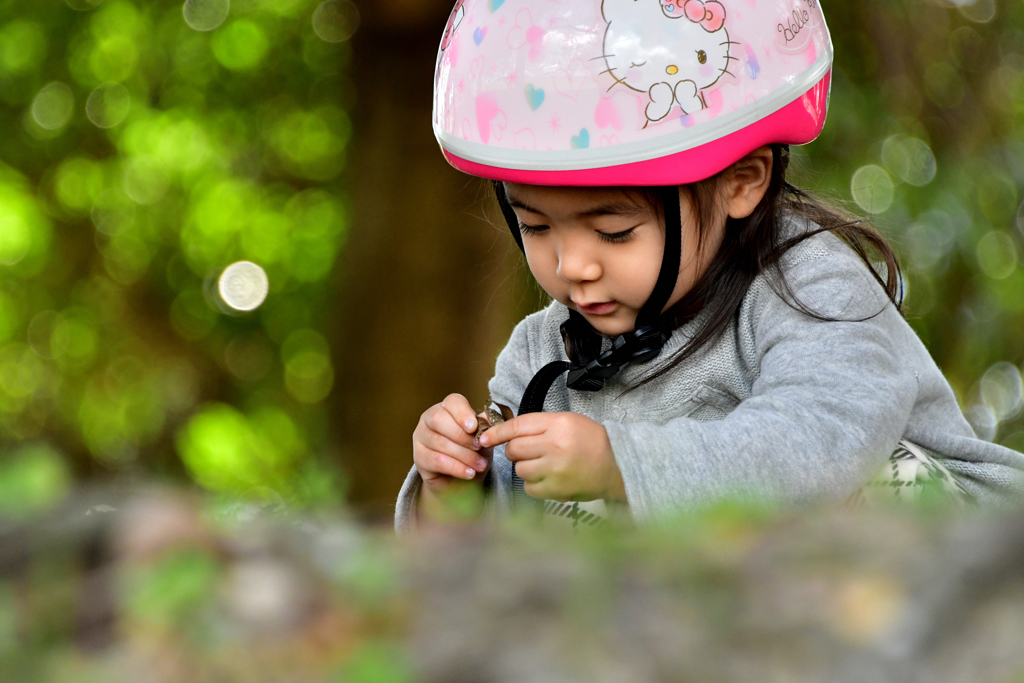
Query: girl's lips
{"x": 599, "y": 308}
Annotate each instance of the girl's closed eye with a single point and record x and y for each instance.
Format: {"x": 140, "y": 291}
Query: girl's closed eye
{"x": 621, "y": 236}
{"x": 525, "y": 229}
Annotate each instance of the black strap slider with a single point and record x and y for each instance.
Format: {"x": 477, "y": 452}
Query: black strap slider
{"x": 639, "y": 346}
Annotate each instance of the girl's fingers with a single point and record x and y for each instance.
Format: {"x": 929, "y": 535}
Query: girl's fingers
{"x": 530, "y": 471}
{"x": 463, "y": 414}
{"x": 439, "y": 420}
{"x": 435, "y": 441}
{"x": 530, "y": 424}
{"x": 441, "y": 463}
{"x": 525, "y": 448}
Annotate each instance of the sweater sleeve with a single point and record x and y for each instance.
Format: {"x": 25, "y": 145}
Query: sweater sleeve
{"x": 829, "y": 404}
{"x": 511, "y": 375}
{"x": 512, "y": 372}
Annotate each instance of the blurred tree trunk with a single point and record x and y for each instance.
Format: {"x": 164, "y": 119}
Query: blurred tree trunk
{"x": 425, "y": 299}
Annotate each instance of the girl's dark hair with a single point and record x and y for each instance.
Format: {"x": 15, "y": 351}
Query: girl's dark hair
{"x": 756, "y": 244}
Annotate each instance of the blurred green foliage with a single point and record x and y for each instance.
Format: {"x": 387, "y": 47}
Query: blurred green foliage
{"x": 147, "y": 146}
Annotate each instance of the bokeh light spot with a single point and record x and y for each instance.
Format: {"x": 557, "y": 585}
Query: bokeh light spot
{"x": 121, "y": 410}
{"x": 921, "y": 296}
{"x": 25, "y": 233}
{"x": 108, "y": 105}
{"x": 15, "y": 240}
{"x": 119, "y": 18}
{"x": 76, "y": 338}
{"x": 997, "y": 197}
{"x": 126, "y": 258}
{"x": 183, "y": 145}
{"x": 967, "y": 48}
{"x": 1002, "y": 391}
{"x": 22, "y": 46}
{"x": 929, "y": 239}
{"x": 872, "y": 189}
{"x": 309, "y": 375}
{"x": 284, "y": 314}
{"x": 983, "y": 421}
{"x": 311, "y": 144}
{"x": 997, "y": 255}
{"x": 41, "y": 335}
{"x": 113, "y": 212}
{"x": 22, "y": 372}
{"x": 53, "y": 106}
{"x": 978, "y": 11}
{"x": 218, "y": 213}
{"x": 206, "y": 15}
{"x": 32, "y": 479}
{"x": 228, "y": 451}
{"x": 114, "y": 58}
{"x": 78, "y": 182}
{"x": 909, "y": 159}
{"x": 266, "y": 237}
{"x": 243, "y": 286}
{"x": 320, "y": 229}
{"x": 145, "y": 180}
{"x": 241, "y": 45}
{"x": 335, "y": 21}
{"x": 286, "y": 8}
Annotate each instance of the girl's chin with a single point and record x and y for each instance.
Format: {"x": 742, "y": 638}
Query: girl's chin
{"x": 611, "y": 325}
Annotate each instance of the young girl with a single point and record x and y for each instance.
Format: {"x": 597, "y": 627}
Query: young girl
{"x": 713, "y": 331}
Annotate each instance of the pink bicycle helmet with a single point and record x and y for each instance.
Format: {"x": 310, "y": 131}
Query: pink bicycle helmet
{"x": 626, "y": 92}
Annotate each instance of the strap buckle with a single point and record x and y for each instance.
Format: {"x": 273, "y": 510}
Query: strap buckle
{"x": 639, "y": 346}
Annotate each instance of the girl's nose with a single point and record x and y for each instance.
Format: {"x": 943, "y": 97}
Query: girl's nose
{"x": 576, "y": 265}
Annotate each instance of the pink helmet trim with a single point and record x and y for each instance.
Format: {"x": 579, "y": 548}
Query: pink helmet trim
{"x": 797, "y": 123}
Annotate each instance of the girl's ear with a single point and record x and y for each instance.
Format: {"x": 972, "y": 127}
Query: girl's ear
{"x": 746, "y": 181}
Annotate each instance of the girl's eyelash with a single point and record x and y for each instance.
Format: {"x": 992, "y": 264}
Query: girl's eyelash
{"x": 613, "y": 237}
{"x": 617, "y": 236}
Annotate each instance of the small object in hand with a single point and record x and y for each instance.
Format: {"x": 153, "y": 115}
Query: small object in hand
{"x": 492, "y": 417}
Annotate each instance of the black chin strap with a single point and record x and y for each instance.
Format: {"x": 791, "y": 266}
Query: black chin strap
{"x": 650, "y": 314}
{"x": 589, "y": 368}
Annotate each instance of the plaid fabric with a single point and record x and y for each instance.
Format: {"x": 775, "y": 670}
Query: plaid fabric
{"x": 910, "y": 475}
{"x": 590, "y": 514}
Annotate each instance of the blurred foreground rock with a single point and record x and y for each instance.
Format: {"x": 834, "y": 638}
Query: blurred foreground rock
{"x": 167, "y": 587}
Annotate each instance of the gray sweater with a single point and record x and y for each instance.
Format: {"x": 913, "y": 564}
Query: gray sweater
{"x": 782, "y": 406}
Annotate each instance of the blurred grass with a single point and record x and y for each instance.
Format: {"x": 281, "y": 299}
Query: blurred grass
{"x": 166, "y": 586}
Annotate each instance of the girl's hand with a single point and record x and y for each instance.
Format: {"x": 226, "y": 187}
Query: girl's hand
{"x": 560, "y": 456}
{"x": 442, "y": 445}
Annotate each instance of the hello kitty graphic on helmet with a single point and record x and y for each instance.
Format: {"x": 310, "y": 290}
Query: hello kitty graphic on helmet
{"x": 668, "y": 77}
{"x": 626, "y": 92}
